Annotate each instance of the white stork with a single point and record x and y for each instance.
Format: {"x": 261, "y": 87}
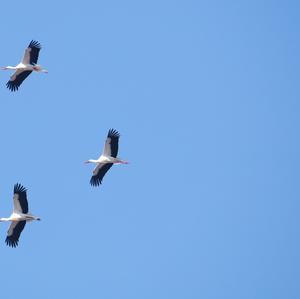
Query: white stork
{"x": 25, "y": 67}
{"x": 107, "y": 158}
{"x": 19, "y": 216}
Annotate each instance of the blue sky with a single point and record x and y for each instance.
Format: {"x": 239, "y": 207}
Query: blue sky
{"x": 206, "y": 97}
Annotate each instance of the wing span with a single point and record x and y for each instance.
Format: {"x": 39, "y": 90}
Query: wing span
{"x": 14, "y": 232}
{"x": 17, "y": 79}
{"x": 20, "y": 199}
{"x": 112, "y": 143}
{"x": 99, "y": 172}
{"x": 31, "y": 54}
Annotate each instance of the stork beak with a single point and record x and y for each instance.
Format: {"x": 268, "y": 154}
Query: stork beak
{"x": 86, "y": 162}
{"x": 3, "y": 68}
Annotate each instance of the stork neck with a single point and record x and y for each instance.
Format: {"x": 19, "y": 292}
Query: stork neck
{"x": 93, "y": 161}
{"x": 4, "y": 219}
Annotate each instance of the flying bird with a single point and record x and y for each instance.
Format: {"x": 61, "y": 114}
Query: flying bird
{"x": 19, "y": 216}
{"x": 107, "y": 158}
{"x": 25, "y": 67}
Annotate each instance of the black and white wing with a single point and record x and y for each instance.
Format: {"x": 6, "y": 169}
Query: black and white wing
{"x": 17, "y": 79}
{"x": 31, "y": 54}
{"x": 20, "y": 199}
{"x": 99, "y": 172}
{"x": 111, "y": 144}
{"x": 14, "y": 232}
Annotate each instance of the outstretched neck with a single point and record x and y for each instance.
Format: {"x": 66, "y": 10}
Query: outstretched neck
{"x": 4, "y": 219}
{"x": 92, "y": 161}
{"x": 9, "y": 68}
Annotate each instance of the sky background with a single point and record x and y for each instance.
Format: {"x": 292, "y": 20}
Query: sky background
{"x": 205, "y": 95}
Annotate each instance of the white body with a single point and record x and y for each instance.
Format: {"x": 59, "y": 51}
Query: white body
{"x": 19, "y": 217}
{"x": 26, "y": 67}
{"x": 16, "y": 217}
{"x": 107, "y": 158}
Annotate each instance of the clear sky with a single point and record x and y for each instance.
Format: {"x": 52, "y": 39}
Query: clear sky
{"x": 206, "y": 97}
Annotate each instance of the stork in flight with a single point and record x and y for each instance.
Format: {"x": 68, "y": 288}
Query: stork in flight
{"x": 107, "y": 158}
{"x": 25, "y": 67}
{"x": 19, "y": 216}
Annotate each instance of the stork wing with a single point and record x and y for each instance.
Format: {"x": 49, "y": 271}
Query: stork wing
{"x": 17, "y": 79}
{"x": 14, "y": 232}
{"x": 111, "y": 144}
{"x": 20, "y": 199}
{"x": 31, "y": 54}
{"x": 26, "y": 57}
{"x": 99, "y": 172}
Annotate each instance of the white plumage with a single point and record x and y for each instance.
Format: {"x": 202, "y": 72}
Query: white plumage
{"x": 25, "y": 67}
{"x": 107, "y": 158}
{"x": 19, "y": 216}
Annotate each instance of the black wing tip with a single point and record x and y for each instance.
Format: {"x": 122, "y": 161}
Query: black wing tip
{"x": 11, "y": 243}
{"x": 35, "y": 44}
{"x": 112, "y": 133}
{"x": 95, "y": 182}
{"x": 11, "y": 86}
{"x": 18, "y": 188}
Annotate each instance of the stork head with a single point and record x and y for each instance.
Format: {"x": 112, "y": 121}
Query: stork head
{"x": 87, "y": 162}
{"x": 37, "y": 67}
